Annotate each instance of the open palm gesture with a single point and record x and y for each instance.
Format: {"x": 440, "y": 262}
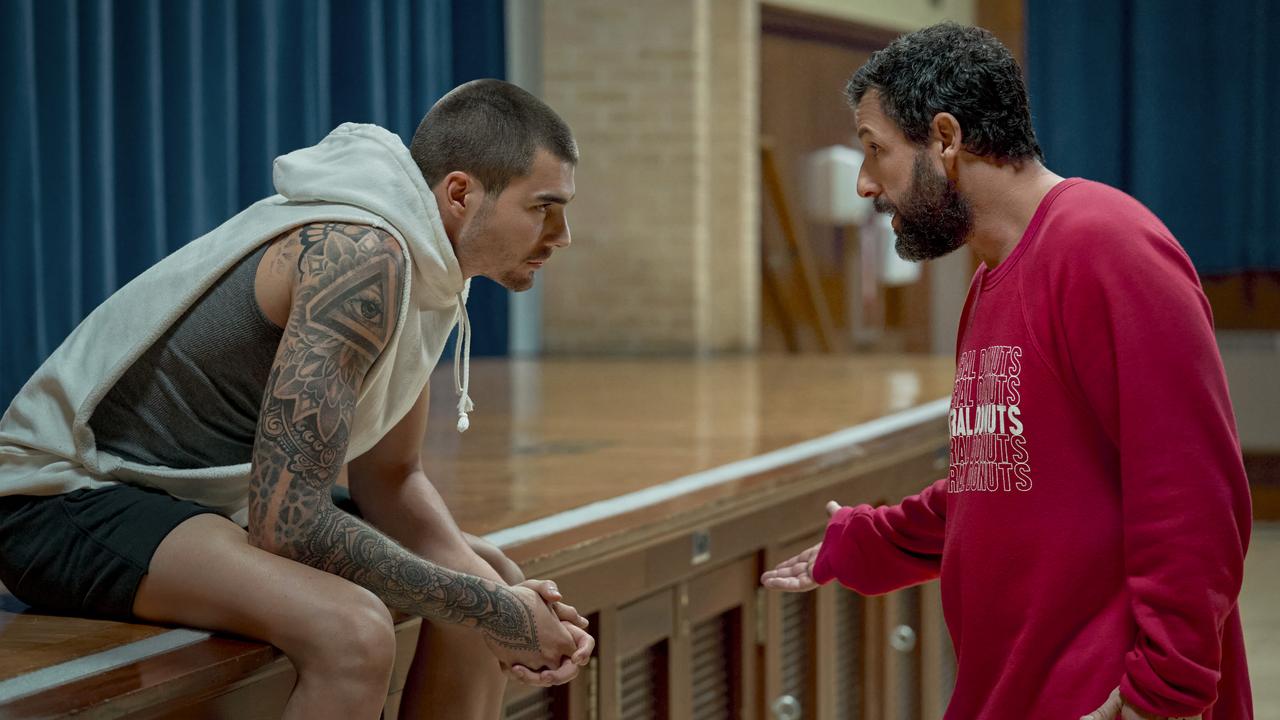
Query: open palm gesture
{"x": 796, "y": 574}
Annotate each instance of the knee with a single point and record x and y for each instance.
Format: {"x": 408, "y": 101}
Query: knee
{"x": 355, "y": 640}
{"x": 371, "y": 637}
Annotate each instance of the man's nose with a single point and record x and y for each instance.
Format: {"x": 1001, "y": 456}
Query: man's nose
{"x": 559, "y": 236}
{"x": 867, "y": 187}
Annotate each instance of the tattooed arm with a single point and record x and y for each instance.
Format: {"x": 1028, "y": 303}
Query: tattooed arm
{"x": 392, "y": 490}
{"x": 344, "y": 310}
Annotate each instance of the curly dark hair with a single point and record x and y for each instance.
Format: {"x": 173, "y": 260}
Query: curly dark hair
{"x": 961, "y": 70}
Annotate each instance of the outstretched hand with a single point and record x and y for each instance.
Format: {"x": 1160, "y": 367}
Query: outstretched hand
{"x": 795, "y": 574}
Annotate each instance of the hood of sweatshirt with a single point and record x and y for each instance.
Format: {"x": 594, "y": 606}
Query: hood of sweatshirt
{"x": 369, "y": 167}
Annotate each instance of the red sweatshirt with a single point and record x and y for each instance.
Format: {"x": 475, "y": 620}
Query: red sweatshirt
{"x": 1091, "y": 531}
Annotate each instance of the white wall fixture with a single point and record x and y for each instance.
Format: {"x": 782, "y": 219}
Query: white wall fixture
{"x": 831, "y": 191}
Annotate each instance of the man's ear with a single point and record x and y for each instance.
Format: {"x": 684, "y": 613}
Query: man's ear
{"x": 460, "y": 193}
{"x": 945, "y": 131}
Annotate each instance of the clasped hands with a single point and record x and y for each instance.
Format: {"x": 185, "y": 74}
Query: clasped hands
{"x": 564, "y": 646}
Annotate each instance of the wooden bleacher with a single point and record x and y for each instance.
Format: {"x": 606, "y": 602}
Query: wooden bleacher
{"x": 654, "y": 492}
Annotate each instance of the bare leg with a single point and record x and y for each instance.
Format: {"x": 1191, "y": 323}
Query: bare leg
{"x": 452, "y": 677}
{"x": 453, "y": 674}
{"x": 338, "y": 635}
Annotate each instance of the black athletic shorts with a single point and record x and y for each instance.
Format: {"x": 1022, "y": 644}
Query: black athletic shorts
{"x": 85, "y": 553}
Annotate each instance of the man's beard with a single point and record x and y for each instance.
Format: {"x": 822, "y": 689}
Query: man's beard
{"x": 476, "y": 237}
{"x": 934, "y": 218}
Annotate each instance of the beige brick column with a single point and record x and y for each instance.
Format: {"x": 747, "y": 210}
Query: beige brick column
{"x": 662, "y": 95}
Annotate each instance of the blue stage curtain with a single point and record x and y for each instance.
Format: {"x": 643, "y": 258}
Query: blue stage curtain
{"x": 135, "y": 126}
{"x": 1175, "y": 102}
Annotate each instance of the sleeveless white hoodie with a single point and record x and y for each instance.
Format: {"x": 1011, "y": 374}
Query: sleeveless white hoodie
{"x": 358, "y": 174}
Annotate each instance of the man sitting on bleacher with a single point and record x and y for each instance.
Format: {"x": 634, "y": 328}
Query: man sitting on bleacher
{"x": 242, "y": 379}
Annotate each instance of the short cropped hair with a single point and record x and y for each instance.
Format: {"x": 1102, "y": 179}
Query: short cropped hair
{"x": 491, "y": 130}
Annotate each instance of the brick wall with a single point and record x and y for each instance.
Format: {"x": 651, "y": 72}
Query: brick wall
{"x": 662, "y": 96}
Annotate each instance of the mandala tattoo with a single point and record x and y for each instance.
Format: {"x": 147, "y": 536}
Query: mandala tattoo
{"x": 350, "y": 278}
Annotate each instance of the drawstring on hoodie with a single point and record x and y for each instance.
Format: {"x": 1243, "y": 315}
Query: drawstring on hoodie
{"x": 462, "y": 367}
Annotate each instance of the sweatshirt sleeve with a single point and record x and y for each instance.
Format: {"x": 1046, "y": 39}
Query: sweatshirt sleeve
{"x": 1139, "y": 334}
{"x": 879, "y": 550}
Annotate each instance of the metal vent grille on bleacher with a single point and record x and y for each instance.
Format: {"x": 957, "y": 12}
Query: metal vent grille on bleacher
{"x": 850, "y": 654}
{"x": 713, "y": 674}
{"x": 798, "y": 649}
{"x": 641, "y": 687}
{"x": 905, "y": 665}
{"x": 540, "y": 706}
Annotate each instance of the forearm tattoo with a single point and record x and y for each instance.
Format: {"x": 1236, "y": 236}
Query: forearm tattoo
{"x": 344, "y": 313}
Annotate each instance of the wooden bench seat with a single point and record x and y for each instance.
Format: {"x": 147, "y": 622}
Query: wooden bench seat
{"x": 652, "y": 491}
{"x": 53, "y": 666}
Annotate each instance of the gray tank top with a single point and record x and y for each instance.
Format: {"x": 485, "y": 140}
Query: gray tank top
{"x": 192, "y": 399}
